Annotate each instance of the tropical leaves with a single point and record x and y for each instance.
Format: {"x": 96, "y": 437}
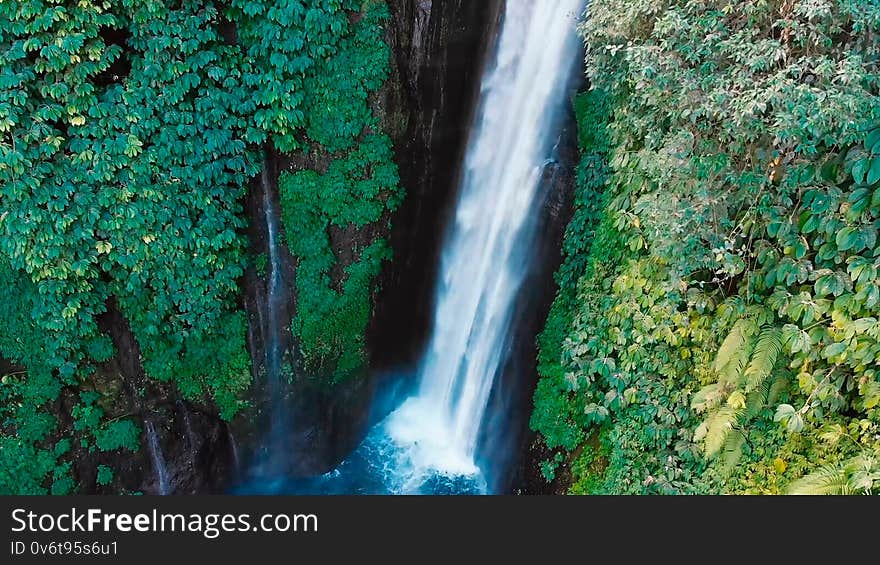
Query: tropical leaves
{"x": 732, "y": 450}
{"x": 735, "y": 351}
{"x": 124, "y": 183}
{"x": 359, "y": 185}
{"x": 864, "y": 161}
{"x": 708, "y": 397}
{"x": 737, "y": 247}
{"x": 788, "y": 415}
{"x": 764, "y": 357}
{"x": 857, "y": 475}
{"x": 796, "y": 339}
{"x": 744, "y": 364}
{"x": 719, "y": 425}
{"x": 828, "y": 479}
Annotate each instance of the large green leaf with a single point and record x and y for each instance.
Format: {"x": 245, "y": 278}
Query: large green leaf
{"x": 873, "y": 174}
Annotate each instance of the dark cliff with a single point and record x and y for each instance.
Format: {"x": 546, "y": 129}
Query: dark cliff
{"x": 425, "y": 107}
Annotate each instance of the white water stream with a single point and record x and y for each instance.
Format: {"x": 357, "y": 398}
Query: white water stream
{"x": 486, "y": 253}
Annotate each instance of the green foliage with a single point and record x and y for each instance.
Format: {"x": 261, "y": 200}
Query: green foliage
{"x": 261, "y": 264}
{"x": 29, "y": 454}
{"x": 589, "y": 464}
{"x": 122, "y": 173}
{"x": 282, "y": 45}
{"x": 119, "y": 434}
{"x": 559, "y": 424}
{"x": 127, "y": 187}
{"x": 857, "y": 475}
{"x": 338, "y": 95}
{"x": 105, "y": 475}
{"x": 97, "y": 432}
{"x": 358, "y": 188}
{"x": 727, "y": 312}
{"x": 26, "y": 466}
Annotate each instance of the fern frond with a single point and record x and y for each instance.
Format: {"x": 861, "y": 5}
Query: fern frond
{"x": 700, "y": 432}
{"x": 732, "y": 450}
{"x": 707, "y": 397}
{"x": 830, "y": 479}
{"x": 734, "y": 341}
{"x": 735, "y": 351}
{"x": 764, "y": 357}
{"x": 719, "y": 425}
{"x": 776, "y": 385}
{"x": 755, "y": 402}
{"x": 766, "y": 394}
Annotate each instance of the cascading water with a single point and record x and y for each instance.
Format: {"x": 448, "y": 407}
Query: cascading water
{"x": 268, "y": 463}
{"x": 429, "y": 444}
{"x": 486, "y": 254}
{"x": 273, "y": 285}
{"x": 163, "y": 483}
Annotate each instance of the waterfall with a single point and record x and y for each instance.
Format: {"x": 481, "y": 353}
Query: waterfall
{"x": 156, "y": 457}
{"x": 430, "y": 443}
{"x": 486, "y": 251}
{"x": 274, "y": 305}
{"x": 252, "y": 345}
{"x": 273, "y": 284}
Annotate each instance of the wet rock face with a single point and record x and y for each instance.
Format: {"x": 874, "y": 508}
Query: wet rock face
{"x": 202, "y": 461}
{"x": 425, "y": 108}
{"x": 192, "y": 441}
{"x": 194, "y": 451}
{"x": 439, "y": 49}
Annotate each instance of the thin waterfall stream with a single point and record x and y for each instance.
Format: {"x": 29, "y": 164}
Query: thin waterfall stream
{"x": 163, "y": 484}
{"x": 268, "y": 463}
{"x": 430, "y": 443}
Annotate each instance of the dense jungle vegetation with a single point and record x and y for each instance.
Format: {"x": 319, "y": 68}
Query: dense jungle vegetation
{"x": 130, "y": 131}
{"x": 718, "y": 324}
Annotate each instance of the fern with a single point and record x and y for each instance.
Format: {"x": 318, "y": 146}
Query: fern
{"x": 755, "y": 402}
{"x": 766, "y": 394}
{"x": 731, "y": 344}
{"x": 830, "y": 479}
{"x": 856, "y": 475}
{"x": 735, "y": 351}
{"x": 764, "y": 357}
{"x": 718, "y": 426}
{"x": 775, "y": 386}
{"x": 732, "y": 450}
{"x": 707, "y": 397}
